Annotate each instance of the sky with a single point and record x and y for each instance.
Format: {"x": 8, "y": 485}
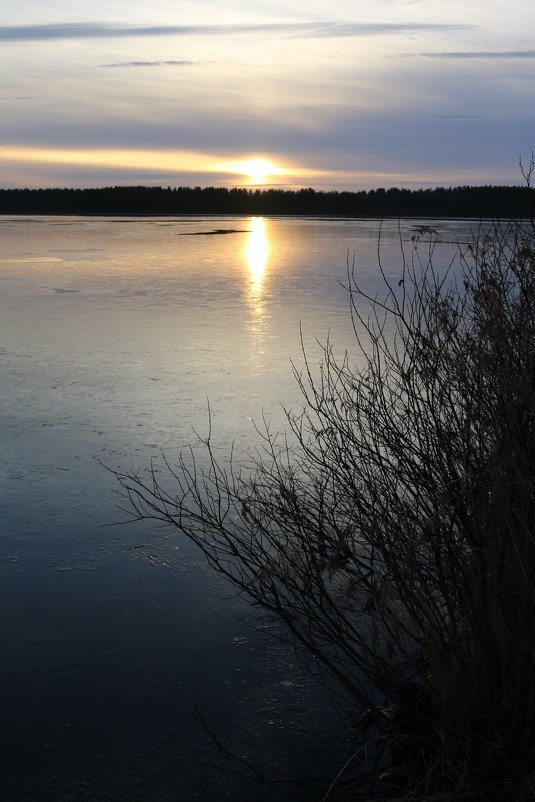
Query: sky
{"x": 351, "y": 95}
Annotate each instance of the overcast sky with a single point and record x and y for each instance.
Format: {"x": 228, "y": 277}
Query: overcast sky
{"x": 346, "y": 95}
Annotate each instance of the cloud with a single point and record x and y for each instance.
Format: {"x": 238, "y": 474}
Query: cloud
{"x": 341, "y": 29}
{"x": 455, "y": 116}
{"x": 151, "y": 64}
{"x": 93, "y": 30}
{"x": 471, "y": 54}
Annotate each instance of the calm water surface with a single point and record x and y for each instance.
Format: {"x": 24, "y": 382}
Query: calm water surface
{"x": 114, "y": 336}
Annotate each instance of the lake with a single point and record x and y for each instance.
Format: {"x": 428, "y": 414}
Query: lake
{"x": 115, "y": 335}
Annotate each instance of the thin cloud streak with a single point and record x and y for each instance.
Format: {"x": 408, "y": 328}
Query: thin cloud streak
{"x": 473, "y": 54}
{"x": 150, "y": 64}
{"x": 91, "y": 30}
{"x": 455, "y": 117}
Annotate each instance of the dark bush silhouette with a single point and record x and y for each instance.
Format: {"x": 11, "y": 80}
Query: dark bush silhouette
{"x": 392, "y": 529}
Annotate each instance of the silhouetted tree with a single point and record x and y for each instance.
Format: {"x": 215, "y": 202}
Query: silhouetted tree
{"x": 489, "y": 201}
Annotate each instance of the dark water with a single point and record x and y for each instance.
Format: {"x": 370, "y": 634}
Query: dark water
{"x": 114, "y": 334}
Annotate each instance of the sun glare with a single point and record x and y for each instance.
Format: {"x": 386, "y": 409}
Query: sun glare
{"x": 258, "y": 168}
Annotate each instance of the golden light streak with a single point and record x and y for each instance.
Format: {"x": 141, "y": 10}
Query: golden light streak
{"x": 39, "y": 259}
{"x": 166, "y": 161}
{"x": 218, "y": 169}
{"x": 256, "y": 257}
{"x": 257, "y": 253}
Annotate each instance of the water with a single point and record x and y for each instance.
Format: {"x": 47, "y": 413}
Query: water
{"x": 115, "y": 334}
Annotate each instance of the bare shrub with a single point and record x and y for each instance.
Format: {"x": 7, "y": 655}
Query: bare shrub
{"x": 392, "y": 530}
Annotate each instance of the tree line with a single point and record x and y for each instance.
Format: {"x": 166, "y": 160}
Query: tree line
{"x": 461, "y": 201}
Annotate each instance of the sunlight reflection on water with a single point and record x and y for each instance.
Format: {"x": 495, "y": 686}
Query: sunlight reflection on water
{"x": 257, "y": 254}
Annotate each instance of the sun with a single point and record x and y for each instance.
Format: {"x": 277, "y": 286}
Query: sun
{"x": 258, "y": 168}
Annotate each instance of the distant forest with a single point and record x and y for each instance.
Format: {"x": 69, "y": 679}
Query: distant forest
{"x": 465, "y": 201}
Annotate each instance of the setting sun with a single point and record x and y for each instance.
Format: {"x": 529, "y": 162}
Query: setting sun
{"x": 258, "y": 168}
